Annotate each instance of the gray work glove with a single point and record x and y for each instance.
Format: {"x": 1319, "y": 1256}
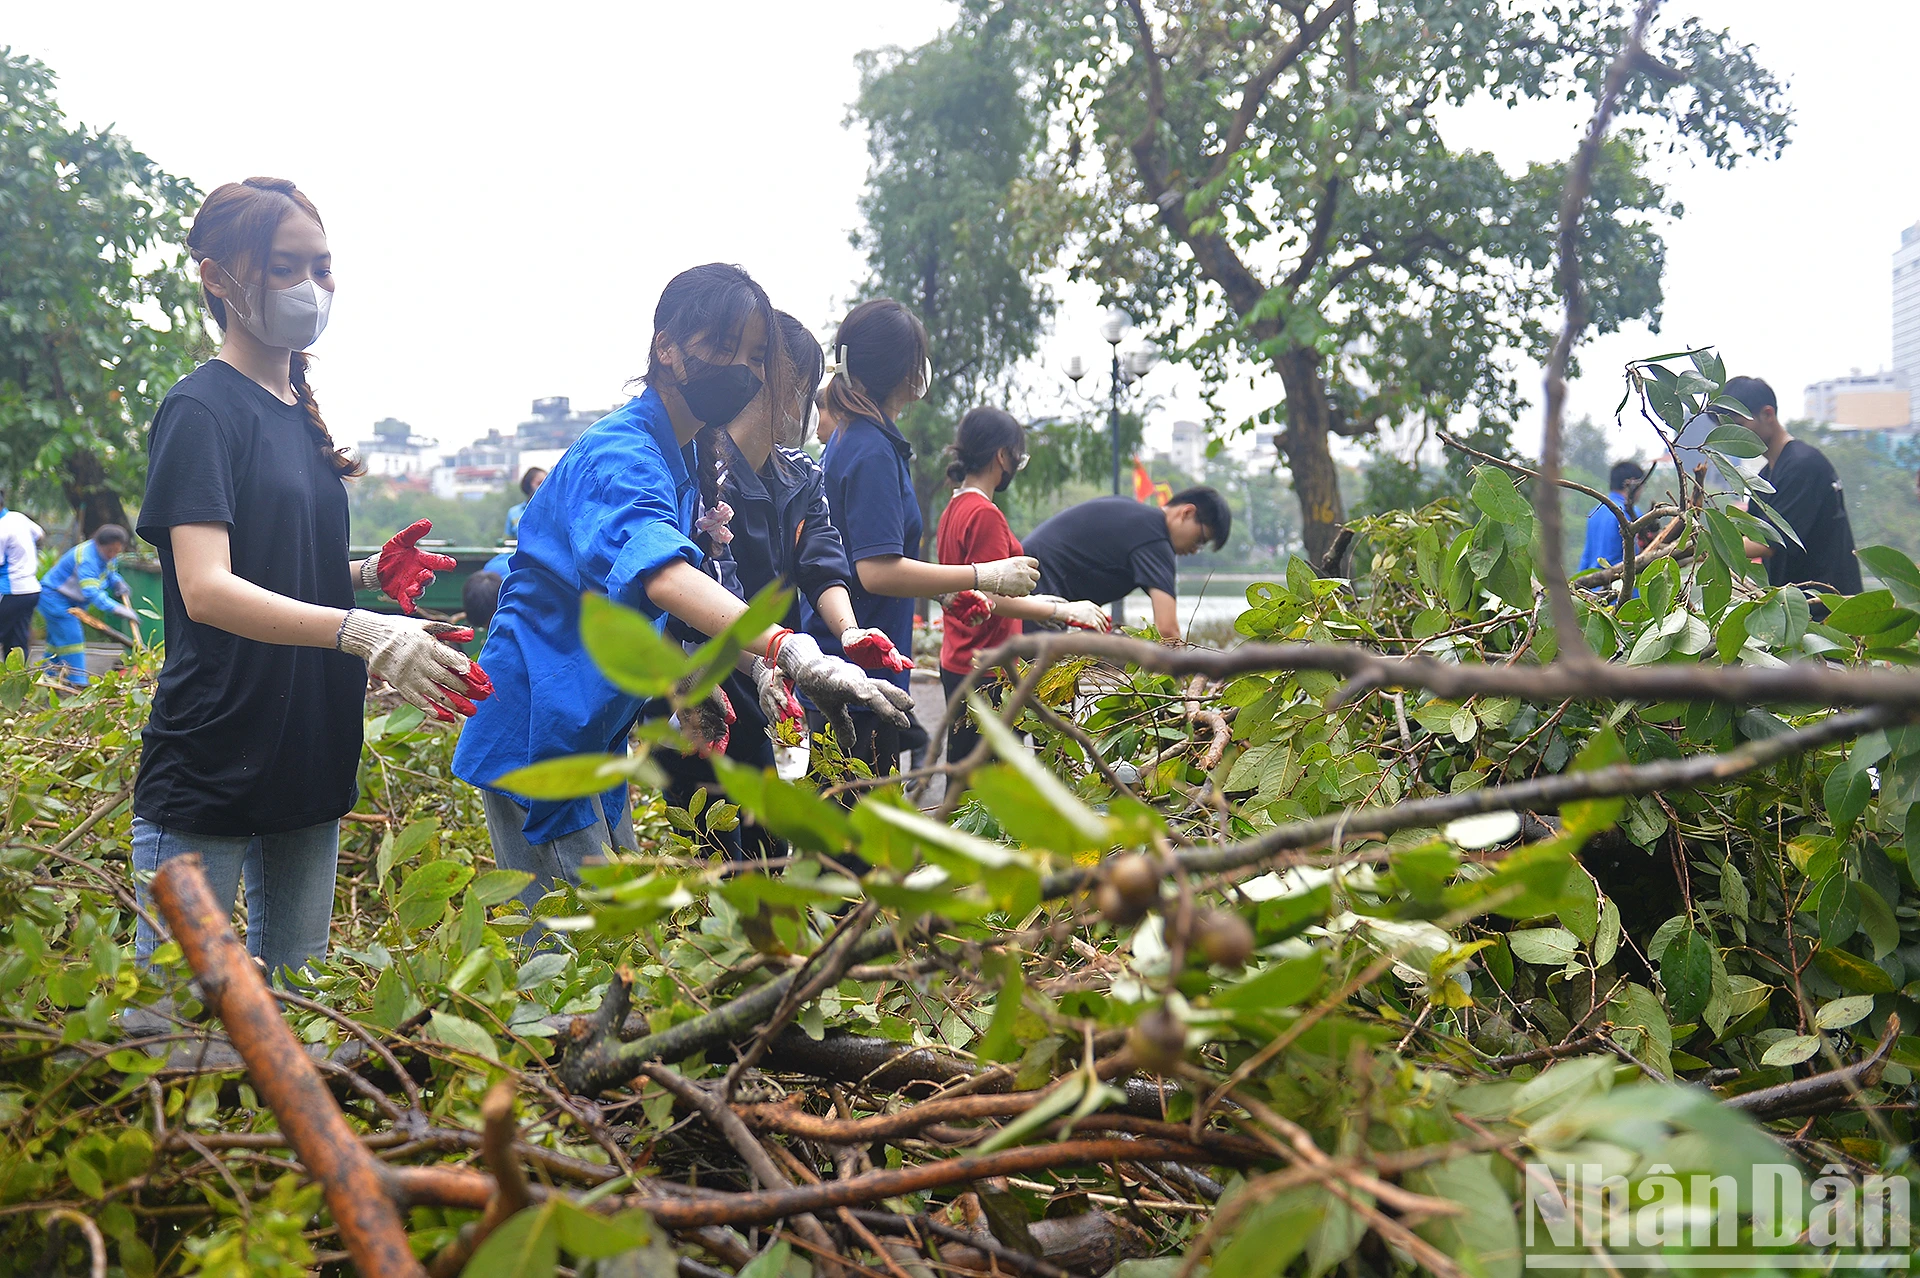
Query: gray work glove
{"x": 837, "y": 686}
{"x": 777, "y": 701}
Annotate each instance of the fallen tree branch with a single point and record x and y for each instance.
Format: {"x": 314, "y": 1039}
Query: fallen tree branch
{"x": 510, "y": 1194}
{"x": 1821, "y": 1093}
{"x": 1806, "y": 682}
{"x": 282, "y": 1074}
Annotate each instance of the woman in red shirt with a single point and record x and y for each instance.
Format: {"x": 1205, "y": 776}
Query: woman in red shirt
{"x": 988, "y": 449}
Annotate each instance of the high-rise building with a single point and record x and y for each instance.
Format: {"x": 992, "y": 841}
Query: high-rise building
{"x": 1906, "y": 316}
{"x": 1189, "y": 454}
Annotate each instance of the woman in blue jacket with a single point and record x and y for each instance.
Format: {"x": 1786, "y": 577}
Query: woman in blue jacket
{"x": 620, "y": 520}
{"x": 882, "y": 368}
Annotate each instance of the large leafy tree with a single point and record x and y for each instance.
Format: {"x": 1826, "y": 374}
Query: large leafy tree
{"x": 98, "y": 316}
{"x": 1269, "y": 182}
{"x": 952, "y": 128}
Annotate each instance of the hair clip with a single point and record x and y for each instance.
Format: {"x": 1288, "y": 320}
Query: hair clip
{"x": 837, "y": 366}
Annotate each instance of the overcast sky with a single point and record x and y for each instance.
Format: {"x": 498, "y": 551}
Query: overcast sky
{"x": 505, "y": 195}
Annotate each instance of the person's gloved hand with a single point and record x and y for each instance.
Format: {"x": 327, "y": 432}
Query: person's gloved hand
{"x": 968, "y": 606}
{"x": 870, "y": 649}
{"x": 708, "y": 723}
{"x": 836, "y": 685}
{"x": 402, "y": 570}
{"x": 1083, "y": 614}
{"x": 777, "y": 701}
{"x": 1007, "y": 577}
{"x": 409, "y": 654}
{"x": 122, "y": 610}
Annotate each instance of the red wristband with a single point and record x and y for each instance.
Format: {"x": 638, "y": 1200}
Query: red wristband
{"x": 774, "y": 645}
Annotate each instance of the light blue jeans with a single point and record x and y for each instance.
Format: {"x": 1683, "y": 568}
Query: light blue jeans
{"x": 289, "y": 881}
{"x": 560, "y": 859}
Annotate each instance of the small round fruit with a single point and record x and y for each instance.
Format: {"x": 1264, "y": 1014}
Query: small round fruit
{"x": 1114, "y": 907}
{"x": 1158, "y": 1040}
{"x": 1136, "y": 879}
{"x": 1223, "y": 937}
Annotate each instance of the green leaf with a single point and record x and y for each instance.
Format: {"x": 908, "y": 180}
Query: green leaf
{"x": 1580, "y": 907}
{"x": 83, "y": 1171}
{"x": 1877, "y": 921}
{"x": 1285, "y": 984}
{"x": 1734, "y": 441}
{"x": 391, "y": 1004}
{"x": 997, "y": 1043}
{"x": 1791, "y": 1050}
{"x": 496, "y": 886}
{"x": 1843, "y": 1012}
{"x": 1047, "y": 808}
{"x": 1868, "y": 613}
{"x": 527, "y": 1245}
{"x": 1895, "y": 571}
{"x": 590, "y": 1235}
{"x": 1544, "y": 946}
{"x": 1838, "y": 910}
{"x": 771, "y": 1263}
{"x": 1686, "y": 970}
{"x": 1265, "y": 1240}
{"x": 1636, "y": 1007}
{"x": 633, "y": 655}
{"x": 577, "y": 776}
{"x": 793, "y": 812}
{"x": 1485, "y": 1237}
{"x": 1493, "y": 492}
{"x": 1852, "y": 972}
{"x": 1067, "y": 1096}
{"x": 463, "y": 1035}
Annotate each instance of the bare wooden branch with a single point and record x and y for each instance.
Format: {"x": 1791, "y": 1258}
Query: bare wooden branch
{"x": 1822, "y": 1093}
{"x": 282, "y": 1073}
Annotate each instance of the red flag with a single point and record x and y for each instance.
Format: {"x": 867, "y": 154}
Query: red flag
{"x": 1142, "y": 482}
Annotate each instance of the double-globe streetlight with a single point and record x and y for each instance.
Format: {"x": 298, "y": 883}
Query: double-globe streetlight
{"x": 1126, "y": 373}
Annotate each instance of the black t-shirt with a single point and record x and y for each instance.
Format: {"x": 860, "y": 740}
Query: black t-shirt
{"x": 247, "y": 737}
{"x": 1809, "y": 497}
{"x": 1102, "y": 549}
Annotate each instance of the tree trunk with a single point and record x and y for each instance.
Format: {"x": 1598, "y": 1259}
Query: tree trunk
{"x": 94, "y": 502}
{"x": 1316, "y": 481}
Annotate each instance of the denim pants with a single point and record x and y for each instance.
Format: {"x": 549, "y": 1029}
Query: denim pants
{"x": 289, "y": 881}
{"x": 560, "y": 859}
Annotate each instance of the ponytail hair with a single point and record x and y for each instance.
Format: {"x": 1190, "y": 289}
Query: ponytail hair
{"x": 880, "y": 346}
{"x": 979, "y": 438}
{"x": 712, "y": 304}
{"x": 235, "y": 228}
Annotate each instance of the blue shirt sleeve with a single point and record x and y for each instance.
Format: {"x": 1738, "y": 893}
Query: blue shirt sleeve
{"x": 1603, "y": 540}
{"x": 869, "y": 512}
{"x": 94, "y": 580}
{"x": 633, "y": 530}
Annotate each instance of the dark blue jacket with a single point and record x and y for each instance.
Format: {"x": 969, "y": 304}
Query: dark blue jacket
{"x": 782, "y": 528}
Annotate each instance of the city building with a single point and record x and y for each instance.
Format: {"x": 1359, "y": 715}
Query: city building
{"x": 395, "y": 452}
{"x": 1861, "y": 401}
{"x": 1906, "y": 316}
{"x": 495, "y": 462}
{"x": 1189, "y": 452}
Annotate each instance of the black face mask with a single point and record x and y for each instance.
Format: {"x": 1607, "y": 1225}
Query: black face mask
{"x": 1006, "y": 482}
{"x": 715, "y": 395}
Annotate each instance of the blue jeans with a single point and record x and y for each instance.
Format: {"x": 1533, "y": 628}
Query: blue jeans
{"x": 289, "y": 885}
{"x": 560, "y": 859}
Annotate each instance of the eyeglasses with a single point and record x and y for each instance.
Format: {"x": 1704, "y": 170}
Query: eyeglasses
{"x": 1022, "y": 463}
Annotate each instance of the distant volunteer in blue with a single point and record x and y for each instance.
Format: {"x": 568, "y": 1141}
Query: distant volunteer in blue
{"x": 882, "y": 366}
{"x": 252, "y": 749}
{"x": 619, "y": 515}
{"x": 19, "y": 577}
{"x": 87, "y": 576}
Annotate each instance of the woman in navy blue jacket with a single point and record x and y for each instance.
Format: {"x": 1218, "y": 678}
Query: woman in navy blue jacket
{"x": 882, "y": 368}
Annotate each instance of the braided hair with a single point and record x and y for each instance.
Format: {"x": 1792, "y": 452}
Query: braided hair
{"x": 711, "y": 304}
{"x": 235, "y": 228}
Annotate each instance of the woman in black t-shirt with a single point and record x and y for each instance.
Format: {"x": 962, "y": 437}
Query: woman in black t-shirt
{"x": 252, "y": 747}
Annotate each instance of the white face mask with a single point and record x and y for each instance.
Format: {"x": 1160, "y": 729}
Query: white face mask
{"x": 291, "y": 318}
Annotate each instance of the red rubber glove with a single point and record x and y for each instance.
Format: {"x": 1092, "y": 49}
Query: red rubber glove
{"x": 969, "y": 606}
{"x": 871, "y": 650}
{"x": 405, "y": 570}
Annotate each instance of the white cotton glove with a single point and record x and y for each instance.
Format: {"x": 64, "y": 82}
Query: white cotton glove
{"x": 408, "y": 653}
{"x": 777, "y": 701}
{"x": 837, "y": 686}
{"x": 1008, "y": 578}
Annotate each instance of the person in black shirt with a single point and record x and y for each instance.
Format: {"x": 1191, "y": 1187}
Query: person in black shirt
{"x": 1806, "y": 493}
{"x": 1108, "y": 547}
{"x": 252, "y": 747}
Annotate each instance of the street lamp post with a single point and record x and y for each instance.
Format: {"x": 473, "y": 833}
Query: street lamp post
{"x": 1124, "y": 374}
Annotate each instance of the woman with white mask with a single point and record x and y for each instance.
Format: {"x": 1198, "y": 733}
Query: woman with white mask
{"x": 252, "y": 750}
